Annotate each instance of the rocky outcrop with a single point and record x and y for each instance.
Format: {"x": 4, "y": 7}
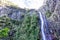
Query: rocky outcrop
{"x": 54, "y": 20}
{"x": 15, "y": 12}
{"x": 12, "y": 12}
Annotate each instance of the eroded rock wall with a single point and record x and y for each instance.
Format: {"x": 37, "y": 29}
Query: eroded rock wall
{"x": 54, "y": 20}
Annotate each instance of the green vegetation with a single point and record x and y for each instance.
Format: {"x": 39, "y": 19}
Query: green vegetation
{"x": 4, "y": 26}
{"x": 26, "y": 28}
{"x": 4, "y": 32}
{"x": 48, "y": 14}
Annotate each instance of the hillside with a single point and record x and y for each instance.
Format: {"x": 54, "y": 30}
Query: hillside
{"x": 19, "y": 24}
{"x": 50, "y": 10}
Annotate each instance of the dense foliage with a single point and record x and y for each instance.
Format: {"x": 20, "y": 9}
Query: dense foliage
{"x": 4, "y": 28}
{"x": 4, "y": 32}
{"x": 27, "y": 28}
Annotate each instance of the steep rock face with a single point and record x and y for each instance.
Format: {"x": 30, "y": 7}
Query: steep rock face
{"x": 53, "y": 6}
{"x": 15, "y": 12}
{"x": 12, "y": 12}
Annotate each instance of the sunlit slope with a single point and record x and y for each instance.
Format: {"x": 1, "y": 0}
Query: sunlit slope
{"x": 30, "y": 4}
{"x": 6, "y": 3}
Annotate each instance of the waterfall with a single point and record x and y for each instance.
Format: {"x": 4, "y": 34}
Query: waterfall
{"x": 42, "y": 26}
{"x": 44, "y": 22}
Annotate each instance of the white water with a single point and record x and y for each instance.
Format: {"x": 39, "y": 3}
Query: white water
{"x": 42, "y": 26}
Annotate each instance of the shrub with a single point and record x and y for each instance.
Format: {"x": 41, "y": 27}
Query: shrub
{"x": 48, "y": 14}
{"x": 4, "y": 32}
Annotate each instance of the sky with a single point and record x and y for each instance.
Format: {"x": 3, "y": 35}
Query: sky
{"x": 30, "y": 4}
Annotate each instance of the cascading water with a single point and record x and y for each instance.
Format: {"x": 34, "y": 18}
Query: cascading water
{"x": 42, "y": 24}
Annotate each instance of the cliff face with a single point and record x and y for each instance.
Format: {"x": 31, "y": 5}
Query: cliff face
{"x": 15, "y": 12}
{"x": 53, "y": 6}
{"x": 12, "y": 12}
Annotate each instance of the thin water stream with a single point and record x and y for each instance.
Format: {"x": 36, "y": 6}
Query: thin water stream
{"x": 42, "y": 26}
